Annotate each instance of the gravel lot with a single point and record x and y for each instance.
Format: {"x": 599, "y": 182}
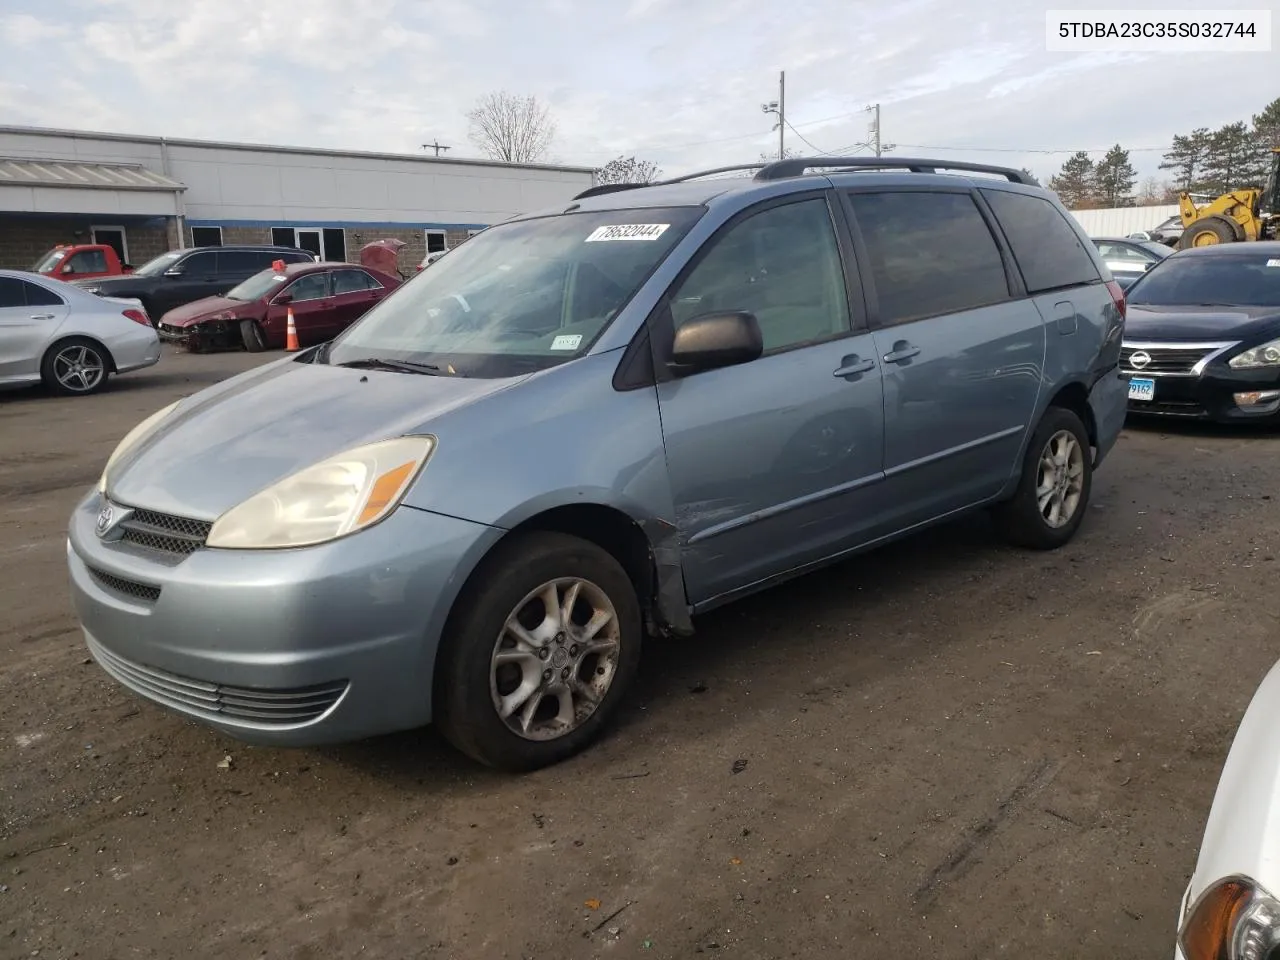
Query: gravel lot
{"x": 948, "y": 748}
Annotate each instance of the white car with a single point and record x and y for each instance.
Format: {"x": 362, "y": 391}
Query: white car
{"x": 55, "y": 333}
{"x": 1231, "y": 909}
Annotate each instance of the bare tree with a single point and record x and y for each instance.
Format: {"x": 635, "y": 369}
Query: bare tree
{"x": 628, "y": 170}
{"x": 511, "y": 128}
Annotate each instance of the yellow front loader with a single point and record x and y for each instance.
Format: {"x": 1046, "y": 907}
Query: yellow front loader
{"x": 1249, "y": 214}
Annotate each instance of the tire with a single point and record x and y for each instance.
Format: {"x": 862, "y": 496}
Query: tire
{"x": 1209, "y": 231}
{"x": 469, "y": 683}
{"x": 1025, "y": 520}
{"x": 76, "y": 367}
{"x": 252, "y": 336}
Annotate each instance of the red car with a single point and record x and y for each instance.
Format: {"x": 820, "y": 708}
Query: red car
{"x": 326, "y": 299}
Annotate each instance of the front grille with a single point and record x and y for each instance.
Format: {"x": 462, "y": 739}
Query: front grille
{"x": 129, "y": 588}
{"x": 178, "y": 536}
{"x": 264, "y": 707}
{"x": 1166, "y": 361}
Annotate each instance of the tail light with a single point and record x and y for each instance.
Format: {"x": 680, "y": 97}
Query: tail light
{"x": 1117, "y": 294}
{"x": 137, "y": 316}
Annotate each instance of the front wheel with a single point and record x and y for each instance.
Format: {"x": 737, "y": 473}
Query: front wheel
{"x": 252, "y": 336}
{"x": 1053, "y": 492}
{"x": 538, "y": 653}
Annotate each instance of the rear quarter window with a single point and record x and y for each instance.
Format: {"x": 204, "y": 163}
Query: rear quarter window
{"x": 1049, "y": 252}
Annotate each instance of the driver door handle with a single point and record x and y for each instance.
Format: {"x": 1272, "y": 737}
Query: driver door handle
{"x": 853, "y": 365}
{"x": 902, "y": 351}
{"x": 42, "y": 316}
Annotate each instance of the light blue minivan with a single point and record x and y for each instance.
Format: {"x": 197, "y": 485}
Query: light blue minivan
{"x": 590, "y": 425}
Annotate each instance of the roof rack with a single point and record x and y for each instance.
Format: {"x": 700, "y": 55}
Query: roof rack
{"x": 615, "y": 187}
{"x": 795, "y": 167}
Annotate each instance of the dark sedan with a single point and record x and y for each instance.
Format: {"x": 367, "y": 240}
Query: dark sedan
{"x": 326, "y": 298}
{"x": 1202, "y": 337}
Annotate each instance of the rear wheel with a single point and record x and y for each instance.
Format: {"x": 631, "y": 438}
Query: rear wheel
{"x": 538, "y": 654}
{"x": 251, "y": 333}
{"x": 75, "y": 367}
{"x": 1053, "y": 492}
{"x": 1206, "y": 232}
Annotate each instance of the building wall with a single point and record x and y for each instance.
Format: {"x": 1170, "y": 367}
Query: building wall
{"x": 411, "y": 254}
{"x": 24, "y": 239}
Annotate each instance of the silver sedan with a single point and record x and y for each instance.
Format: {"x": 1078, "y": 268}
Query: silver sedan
{"x": 70, "y": 340}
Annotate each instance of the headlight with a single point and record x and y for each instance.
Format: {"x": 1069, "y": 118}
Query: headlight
{"x": 1267, "y": 355}
{"x": 132, "y": 437}
{"x": 1235, "y": 919}
{"x": 335, "y": 497}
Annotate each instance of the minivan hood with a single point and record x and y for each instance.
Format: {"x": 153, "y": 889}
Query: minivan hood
{"x": 234, "y": 439}
{"x": 1198, "y": 323}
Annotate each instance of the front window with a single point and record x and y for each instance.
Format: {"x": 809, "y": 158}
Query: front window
{"x": 256, "y": 287}
{"x": 519, "y": 297}
{"x": 153, "y": 268}
{"x": 1231, "y": 281}
{"x": 48, "y": 261}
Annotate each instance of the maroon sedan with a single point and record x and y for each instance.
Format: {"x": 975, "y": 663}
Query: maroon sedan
{"x": 326, "y": 299}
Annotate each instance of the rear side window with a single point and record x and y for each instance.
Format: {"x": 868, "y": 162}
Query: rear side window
{"x": 242, "y": 261}
{"x": 931, "y": 253}
{"x": 38, "y": 296}
{"x": 1049, "y": 252}
{"x": 353, "y": 281}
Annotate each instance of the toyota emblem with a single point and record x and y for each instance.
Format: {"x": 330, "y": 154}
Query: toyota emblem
{"x": 105, "y": 516}
{"x": 1139, "y": 359}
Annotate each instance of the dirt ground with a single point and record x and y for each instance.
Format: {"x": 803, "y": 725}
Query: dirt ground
{"x": 948, "y": 748}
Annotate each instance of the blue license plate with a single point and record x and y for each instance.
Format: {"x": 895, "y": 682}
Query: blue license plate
{"x": 1142, "y": 389}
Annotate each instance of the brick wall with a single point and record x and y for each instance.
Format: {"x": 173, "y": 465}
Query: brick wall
{"x": 24, "y": 239}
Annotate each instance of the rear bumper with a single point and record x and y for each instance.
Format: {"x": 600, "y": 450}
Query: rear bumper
{"x": 1108, "y": 400}
{"x": 136, "y": 353}
{"x": 288, "y": 647}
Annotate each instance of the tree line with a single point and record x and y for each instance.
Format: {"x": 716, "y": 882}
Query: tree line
{"x": 1213, "y": 162}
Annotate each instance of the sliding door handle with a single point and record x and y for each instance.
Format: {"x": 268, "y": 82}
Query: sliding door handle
{"x": 902, "y": 352}
{"x": 853, "y": 365}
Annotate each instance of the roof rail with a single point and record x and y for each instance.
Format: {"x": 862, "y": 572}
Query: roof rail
{"x": 795, "y": 167}
{"x": 615, "y": 187}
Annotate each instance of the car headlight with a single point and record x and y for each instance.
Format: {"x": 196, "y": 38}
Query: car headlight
{"x": 1235, "y": 919}
{"x": 330, "y": 499}
{"x": 131, "y": 438}
{"x": 1267, "y": 355}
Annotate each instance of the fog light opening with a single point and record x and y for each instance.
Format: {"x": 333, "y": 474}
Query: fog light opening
{"x": 1252, "y": 398}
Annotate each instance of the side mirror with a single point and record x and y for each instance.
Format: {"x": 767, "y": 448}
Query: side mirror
{"x": 283, "y": 298}
{"x": 716, "y": 340}
{"x": 67, "y": 268}
{"x": 174, "y": 272}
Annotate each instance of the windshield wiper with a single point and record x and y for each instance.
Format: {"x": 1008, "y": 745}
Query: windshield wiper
{"x": 400, "y": 366}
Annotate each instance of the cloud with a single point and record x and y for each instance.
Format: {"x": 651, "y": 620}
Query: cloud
{"x": 680, "y": 83}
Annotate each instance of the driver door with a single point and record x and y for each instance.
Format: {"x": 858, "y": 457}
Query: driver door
{"x": 772, "y": 463}
{"x": 29, "y": 314}
{"x": 312, "y": 309}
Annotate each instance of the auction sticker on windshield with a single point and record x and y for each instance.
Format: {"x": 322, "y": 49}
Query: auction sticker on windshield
{"x": 627, "y": 231}
{"x": 566, "y": 341}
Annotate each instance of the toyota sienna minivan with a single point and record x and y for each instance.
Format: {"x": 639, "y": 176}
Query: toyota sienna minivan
{"x": 589, "y": 425}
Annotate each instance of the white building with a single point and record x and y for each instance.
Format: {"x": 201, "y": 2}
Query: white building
{"x": 146, "y": 195}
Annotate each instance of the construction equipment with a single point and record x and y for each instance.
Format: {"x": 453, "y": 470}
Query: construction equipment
{"x": 1248, "y": 214}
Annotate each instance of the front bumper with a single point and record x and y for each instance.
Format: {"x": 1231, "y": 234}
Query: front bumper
{"x": 1210, "y": 395}
{"x": 205, "y": 335}
{"x": 288, "y": 647}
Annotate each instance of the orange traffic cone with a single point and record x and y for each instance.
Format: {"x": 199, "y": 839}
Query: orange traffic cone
{"x": 291, "y": 334}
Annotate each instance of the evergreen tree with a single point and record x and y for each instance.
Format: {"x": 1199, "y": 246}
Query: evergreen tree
{"x": 1232, "y": 160}
{"x": 1187, "y": 158}
{"x": 1074, "y": 182}
{"x": 1114, "y": 177}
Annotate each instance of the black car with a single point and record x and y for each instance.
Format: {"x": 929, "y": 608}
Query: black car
{"x": 181, "y": 276}
{"x": 1202, "y": 336}
{"x": 1129, "y": 259}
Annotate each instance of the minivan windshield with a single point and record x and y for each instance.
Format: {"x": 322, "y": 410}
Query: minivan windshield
{"x": 153, "y": 268}
{"x": 1233, "y": 280}
{"x": 518, "y": 297}
{"x": 259, "y": 285}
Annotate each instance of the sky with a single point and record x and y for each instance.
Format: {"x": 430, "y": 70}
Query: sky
{"x": 677, "y": 82}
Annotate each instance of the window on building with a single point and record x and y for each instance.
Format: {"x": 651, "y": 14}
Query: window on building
{"x": 931, "y": 254}
{"x": 206, "y": 236}
{"x": 1049, "y": 252}
{"x": 437, "y": 241}
{"x": 335, "y": 244}
{"x": 353, "y": 281}
{"x": 283, "y": 237}
{"x": 783, "y": 266}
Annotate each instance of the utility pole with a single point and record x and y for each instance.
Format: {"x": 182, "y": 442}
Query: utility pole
{"x": 779, "y": 107}
{"x": 874, "y": 129}
{"x": 437, "y": 146}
